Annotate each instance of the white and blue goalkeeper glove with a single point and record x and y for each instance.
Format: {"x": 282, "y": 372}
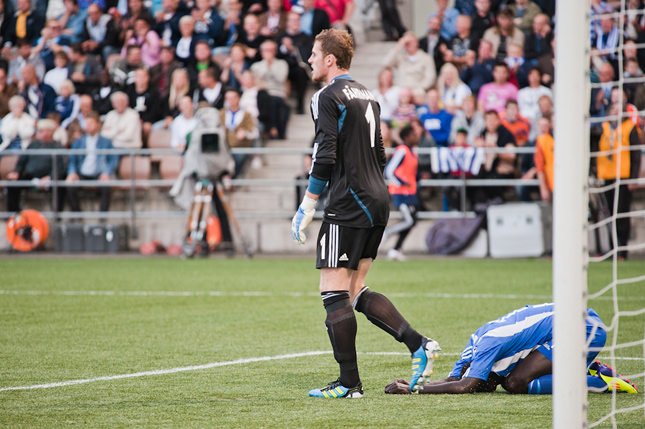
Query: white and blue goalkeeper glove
{"x": 302, "y": 219}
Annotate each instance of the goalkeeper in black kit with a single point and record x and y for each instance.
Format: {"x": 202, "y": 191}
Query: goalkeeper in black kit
{"x": 349, "y": 156}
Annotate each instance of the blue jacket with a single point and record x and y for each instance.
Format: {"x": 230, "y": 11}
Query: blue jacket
{"x": 105, "y": 163}
{"x": 437, "y": 124}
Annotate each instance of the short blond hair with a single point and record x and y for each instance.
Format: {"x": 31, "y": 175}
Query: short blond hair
{"x": 339, "y": 44}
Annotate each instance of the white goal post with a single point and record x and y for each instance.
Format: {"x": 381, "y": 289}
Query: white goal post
{"x": 570, "y": 202}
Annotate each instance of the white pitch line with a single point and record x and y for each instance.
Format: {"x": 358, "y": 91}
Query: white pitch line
{"x": 289, "y": 294}
{"x": 165, "y": 371}
{"x": 214, "y": 365}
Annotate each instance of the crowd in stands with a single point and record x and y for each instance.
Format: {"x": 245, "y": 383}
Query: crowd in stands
{"x": 482, "y": 77}
{"x": 96, "y": 74}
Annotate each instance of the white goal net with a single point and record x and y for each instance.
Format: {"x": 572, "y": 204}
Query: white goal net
{"x": 599, "y": 100}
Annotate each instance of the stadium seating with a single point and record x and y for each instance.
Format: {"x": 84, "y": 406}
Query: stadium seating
{"x": 159, "y": 139}
{"x": 142, "y": 167}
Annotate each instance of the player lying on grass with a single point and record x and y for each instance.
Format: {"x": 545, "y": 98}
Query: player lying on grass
{"x": 516, "y": 351}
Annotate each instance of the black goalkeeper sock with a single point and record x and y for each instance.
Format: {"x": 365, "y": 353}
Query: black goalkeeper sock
{"x": 381, "y": 312}
{"x": 341, "y": 327}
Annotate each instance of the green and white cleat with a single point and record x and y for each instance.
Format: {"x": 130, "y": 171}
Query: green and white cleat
{"x": 337, "y": 390}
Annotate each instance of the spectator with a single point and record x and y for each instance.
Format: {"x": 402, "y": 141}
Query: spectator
{"x": 231, "y": 30}
{"x": 50, "y": 43}
{"x": 452, "y": 90}
{"x": 167, "y": 23}
{"x": 99, "y": 36}
{"x": 387, "y": 94}
{"x": 252, "y": 38}
{"x": 494, "y": 95}
{"x": 546, "y": 64}
{"x": 23, "y": 58}
{"x": 598, "y": 7}
{"x": 425, "y": 142}
{"x": 185, "y": 47}
{"x": 391, "y": 20}
{"x": 482, "y": 20}
{"x": 7, "y": 90}
{"x": 274, "y": 72}
{"x": 41, "y": 169}
{"x": 144, "y": 99}
{"x": 519, "y": 126}
{"x": 183, "y": 124}
{"x": 179, "y": 88}
{"x": 634, "y": 21}
{"x": 202, "y": 61}
{"x": 479, "y": 69}
{"x": 136, "y": 10}
{"x": 67, "y": 104}
{"x": 543, "y": 159}
{"x": 460, "y": 43}
{"x": 208, "y": 23}
{"x": 210, "y": 89}
{"x": 274, "y": 20}
{"x": 142, "y": 35}
{"x": 234, "y": 66}
{"x": 436, "y": 120}
{"x": 91, "y": 166}
{"x": 314, "y": 20}
{"x": 538, "y": 42}
{"x": 122, "y": 125}
{"x": 241, "y": 130}
{"x": 504, "y": 31}
{"x": 25, "y": 24}
{"x": 123, "y": 70}
{"x": 619, "y": 135}
{"x": 295, "y": 48}
{"x": 433, "y": 44}
{"x": 59, "y": 73}
{"x": 76, "y": 128}
{"x": 5, "y": 18}
{"x": 339, "y": 11}
{"x": 72, "y": 20}
{"x": 606, "y": 43}
{"x": 470, "y": 119}
{"x": 416, "y": 69}
{"x": 524, "y": 11}
{"x": 101, "y": 96}
{"x": 601, "y": 97}
{"x": 405, "y": 111}
{"x": 40, "y": 96}
{"x": 497, "y": 165}
{"x": 84, "y": 69}
{"x": 60, "y": 133}
{"x": 161, "y": 74}
{"x": 631, "y": 53}
{"x": 255, "y": 100}
{"x": 517, "y": 66}
{"x": 527, "y": 98}
{"x": 448, "y": 17}
{"x": 17, "y": 126}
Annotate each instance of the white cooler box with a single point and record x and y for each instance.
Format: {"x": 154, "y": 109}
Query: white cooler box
{"x": 519, "y": 230}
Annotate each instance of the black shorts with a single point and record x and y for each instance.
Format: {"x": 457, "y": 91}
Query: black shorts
{"x": 343, "y": 246}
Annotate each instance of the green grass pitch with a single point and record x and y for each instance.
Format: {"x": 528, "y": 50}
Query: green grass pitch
{"x": 246, "y": 309}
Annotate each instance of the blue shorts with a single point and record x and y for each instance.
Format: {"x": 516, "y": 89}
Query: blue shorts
{"x": 597, "y": 343}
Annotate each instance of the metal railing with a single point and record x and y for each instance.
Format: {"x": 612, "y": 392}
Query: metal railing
{"x": 131, "y": 185}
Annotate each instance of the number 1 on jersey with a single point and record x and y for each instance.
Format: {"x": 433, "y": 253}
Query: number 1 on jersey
{"x": 371, "y": 121}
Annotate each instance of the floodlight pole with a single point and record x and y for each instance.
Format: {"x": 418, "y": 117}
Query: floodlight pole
{"x": 570, "y": 201}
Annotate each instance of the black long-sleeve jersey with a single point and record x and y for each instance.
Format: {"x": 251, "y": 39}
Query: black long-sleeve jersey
{"x": 348, "y": 151}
